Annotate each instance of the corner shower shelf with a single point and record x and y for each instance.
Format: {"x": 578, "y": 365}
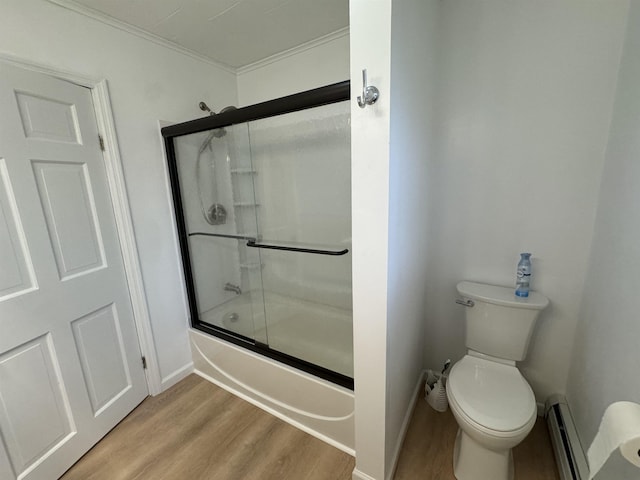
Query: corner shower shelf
{"x": 246, "y": 204}
{"x": 243, "y": 170}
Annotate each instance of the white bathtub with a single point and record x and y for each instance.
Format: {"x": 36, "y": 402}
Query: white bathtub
{"x": 320, "y": 334}
{"x": 316, "y": 406}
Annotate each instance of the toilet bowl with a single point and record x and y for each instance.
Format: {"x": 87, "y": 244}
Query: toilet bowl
{"x": 492, "y": 402}
{"x": 495, "y": 409}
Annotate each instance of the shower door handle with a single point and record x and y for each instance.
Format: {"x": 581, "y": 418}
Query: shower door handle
{"x": 253, "y": 244}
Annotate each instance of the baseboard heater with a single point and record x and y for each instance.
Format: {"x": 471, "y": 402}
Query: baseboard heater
{"x": 570, "y": 458}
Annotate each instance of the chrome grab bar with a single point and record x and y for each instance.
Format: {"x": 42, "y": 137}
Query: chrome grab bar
{"x": 465, "y": 302}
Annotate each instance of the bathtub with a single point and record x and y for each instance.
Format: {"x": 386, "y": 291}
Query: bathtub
{"x": 316, "y": 333}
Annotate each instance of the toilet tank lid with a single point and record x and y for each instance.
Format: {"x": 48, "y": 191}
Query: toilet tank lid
{"x": 501, "y": 296}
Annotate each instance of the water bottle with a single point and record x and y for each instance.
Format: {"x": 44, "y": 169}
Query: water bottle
{"x": 523, "y": 276}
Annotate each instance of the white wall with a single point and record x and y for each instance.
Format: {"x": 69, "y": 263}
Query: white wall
{"x": 391, "y": 147}
{"x": 413, "y": 94}
{"x": 147, "y": 82}
{"x": 606, "y": 362}
{"x": 526, "y": 92}
{"x": 370, "y": 28}
{"x": 320, "y": 64}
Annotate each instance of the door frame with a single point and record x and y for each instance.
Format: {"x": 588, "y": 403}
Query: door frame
{"x": 120, "y": 203}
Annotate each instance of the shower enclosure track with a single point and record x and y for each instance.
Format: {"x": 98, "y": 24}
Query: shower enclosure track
{"x": 337, "y": 92}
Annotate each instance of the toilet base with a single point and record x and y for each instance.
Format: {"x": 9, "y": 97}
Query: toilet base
{"x": 472, "y": 461}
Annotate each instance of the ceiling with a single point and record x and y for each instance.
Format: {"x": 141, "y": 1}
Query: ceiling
{"x": 232, "y": 32}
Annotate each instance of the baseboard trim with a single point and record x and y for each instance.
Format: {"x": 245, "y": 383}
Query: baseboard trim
{"x": 173, "y": 378}
{"x": 358, "y": 475}
{"x": 275, "y": 413}
{"x": 541, "y": 409}
{"x": 405, "y": 424}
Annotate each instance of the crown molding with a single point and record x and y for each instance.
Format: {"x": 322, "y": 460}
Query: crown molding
{"x": 343, "y": 32}
{"x": 138, "y": 32}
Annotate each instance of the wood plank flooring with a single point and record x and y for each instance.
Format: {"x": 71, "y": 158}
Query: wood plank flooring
{"x": 427, "y": 452}
{"x": 198, "y": 431}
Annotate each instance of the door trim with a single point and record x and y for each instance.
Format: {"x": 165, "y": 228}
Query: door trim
{"x": 120, "y": 203}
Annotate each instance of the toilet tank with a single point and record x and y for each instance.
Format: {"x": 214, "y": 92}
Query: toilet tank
{"x": 499, "y": 323}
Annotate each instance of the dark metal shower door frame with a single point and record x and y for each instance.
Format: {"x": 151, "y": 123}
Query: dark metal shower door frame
{"x": 334, "y": 93}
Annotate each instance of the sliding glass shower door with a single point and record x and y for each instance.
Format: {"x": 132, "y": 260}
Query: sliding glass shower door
{"x": 218, "y": 208}
{"x": 303, "y": 188}
{"x": 266, "y": 210}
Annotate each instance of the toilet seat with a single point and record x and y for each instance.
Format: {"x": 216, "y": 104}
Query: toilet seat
{"x": 493, "y": 397}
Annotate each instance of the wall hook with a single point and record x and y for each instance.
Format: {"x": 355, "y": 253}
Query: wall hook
{"x": 370, "y": 93}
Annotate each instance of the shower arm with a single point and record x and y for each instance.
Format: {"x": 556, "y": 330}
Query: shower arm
{"x": 251, "y": 242}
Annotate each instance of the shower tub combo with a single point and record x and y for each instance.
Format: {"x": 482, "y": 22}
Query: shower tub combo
{"x": 262, "y": 198}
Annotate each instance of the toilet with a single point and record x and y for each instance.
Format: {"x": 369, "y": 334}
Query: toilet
{"x": 492, "y": 402}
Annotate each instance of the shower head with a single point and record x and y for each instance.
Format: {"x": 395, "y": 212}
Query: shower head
{"x": 221, "y": 132}
{"x": 218, "y": 132}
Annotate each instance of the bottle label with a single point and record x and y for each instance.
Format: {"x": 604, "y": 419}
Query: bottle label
{"x": 523, "y": 277}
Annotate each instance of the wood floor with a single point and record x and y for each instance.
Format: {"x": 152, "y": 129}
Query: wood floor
{"x": 197, "y": 431}
{"x": 427, "y": 452}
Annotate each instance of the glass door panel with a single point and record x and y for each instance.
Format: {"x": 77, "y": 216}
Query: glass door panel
{"x": 218, "y": 205}
{"x": 302, "y": 186}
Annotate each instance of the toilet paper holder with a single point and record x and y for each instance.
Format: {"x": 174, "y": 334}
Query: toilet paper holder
{"x": 619, "y": 430}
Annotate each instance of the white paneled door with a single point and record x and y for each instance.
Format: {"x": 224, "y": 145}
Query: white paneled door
{"x": 70, "y": 363}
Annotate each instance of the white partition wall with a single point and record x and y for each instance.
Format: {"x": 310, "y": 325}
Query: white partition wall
{"x": 411, "y": 153}
{"x": 370, "y": 48}
{"x": 390, "y": 148}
